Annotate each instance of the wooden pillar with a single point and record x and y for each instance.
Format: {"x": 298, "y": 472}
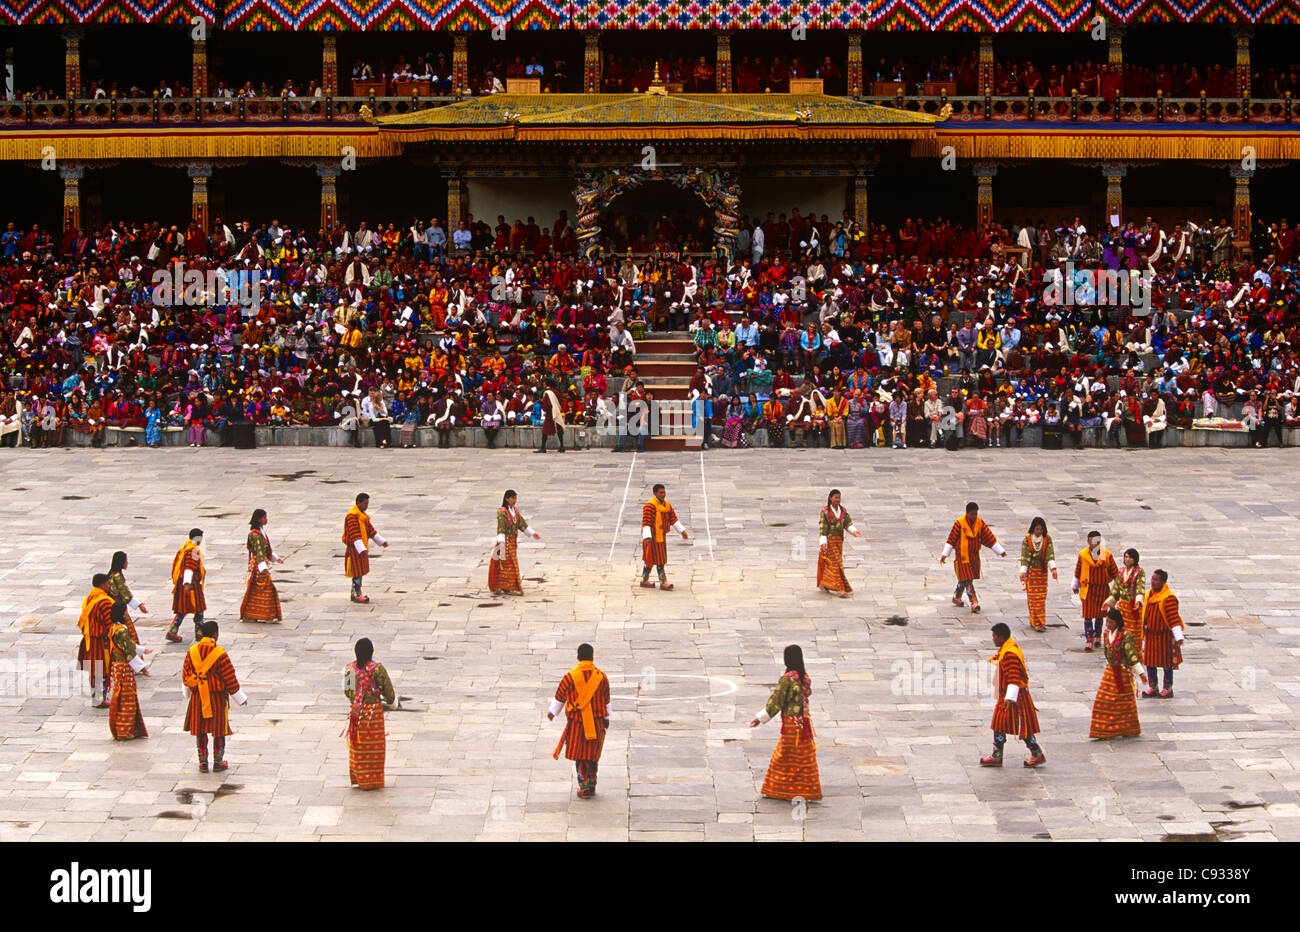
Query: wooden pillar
{"x": 199, "y": 71}
{"x": 460, "y": 63}
{"x": 329, "y": 194}
{"x": 722, "y": 68}
{"x": 860, "y": 199}
{"x": 72, "y": 62}
{"x": 455, "y": 200}
{"x": 199, "y": 173}
{"x": 1243, "y": 37}
{"x": 71, "y": 176}
{"x": 1241, "y": 210}
{"x": 853, "y": 75}
{"x": 986, "y": 63}
{"x": 329, "y": 80}
{"x": 1115, "y": 43}
{"x": 984, "y": 172}
{"x": 1114, "y": 172}
{"x": 591, "y": 70}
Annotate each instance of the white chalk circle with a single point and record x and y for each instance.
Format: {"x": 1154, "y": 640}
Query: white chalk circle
{"x": 728, "y": 687}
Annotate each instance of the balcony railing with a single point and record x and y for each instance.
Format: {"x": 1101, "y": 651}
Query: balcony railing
{"x": 219, "y": 111}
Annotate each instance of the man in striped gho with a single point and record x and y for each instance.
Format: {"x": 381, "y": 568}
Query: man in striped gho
{"x": 1094, "y": 571}
{"x": 657, "y": 517}
{"x": 1162, "y": 635}
{"x": 583, "y": 696}
{"x": 1014, "y": 712}
{"x": 969, "y": 533}
{"x": 357, "y": 532}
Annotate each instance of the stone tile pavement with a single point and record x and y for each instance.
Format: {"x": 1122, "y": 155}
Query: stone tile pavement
{"x": 901, "y": 691}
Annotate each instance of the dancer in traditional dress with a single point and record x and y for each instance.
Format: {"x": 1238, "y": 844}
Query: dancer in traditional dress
{"x": 366, "y": 683}
{"x": 357, "y": 531}
{"x": 1037, "y": 559}
{"x": 1115, "y": 710}
{"x": 583, "y": 695}
{"x": 125, "y": 720}
{"x": 503, "y": 568}
{"x": 188, "y": 575}
{"x": 261, "y": 601}
{"x": 1015, "y": 712}
{"x": 121, "y": 592}
{"x": 830, "y": 557}
{"x": 792, "y": 772}
{"x": 210, "y": 683}
{"x": 657, "y": 516}
{"x": 92, "y": 649}
{"x": 1126, "y": 594}
{"x": 1162, "y": 635}
{"x": 1094, "y": 571}
{"x": 969, "y": 533}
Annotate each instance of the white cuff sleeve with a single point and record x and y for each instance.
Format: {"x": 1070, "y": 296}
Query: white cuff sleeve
{"x": 185, "y": 690}
{"x": 556, "y": 707}
{"x": 133, "y": 604}
{"x": 821, "y": 541}
{"x": 1051, "y": 564}
{"x": 999, "y": 550}
{"x": 137, "y": 664}
{"x": 1013, "y": 692}
{"x": 947, "y": 550}
{"x": 275, "y": 557}
{"x": 645, "y": 532}
{"x": 359, "y": 546}
{"x": 240, "y": 697}
{"x": 187, "y": 577}
{"x": 261, "y": 567}
{"x": 763, "y": 717}
{"x": 678, "y": 527}
{"x": 853, "y": 529}
{"x": 379, "y": 540}
{"x": 501, "y": 538}
{"x": 1023, "y": 569}
{"x": 535, "y": 535}
{"x": 1074, "y": 586}
{"x": 1178, "y": 633}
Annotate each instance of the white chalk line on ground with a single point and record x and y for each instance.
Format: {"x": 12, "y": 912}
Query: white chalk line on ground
{"x": 619, "y": 524}
{"x": 705, "y": 488}
{"x": 730, "y": 687}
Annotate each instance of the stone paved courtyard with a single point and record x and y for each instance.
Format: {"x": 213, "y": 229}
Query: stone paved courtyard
{"x": 901, "y": 698}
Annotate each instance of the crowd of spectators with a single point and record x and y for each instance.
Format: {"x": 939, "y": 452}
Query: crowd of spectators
{"x": 815, "y": 330}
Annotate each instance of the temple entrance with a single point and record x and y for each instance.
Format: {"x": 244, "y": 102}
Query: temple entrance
{"x": 658, "y": 214}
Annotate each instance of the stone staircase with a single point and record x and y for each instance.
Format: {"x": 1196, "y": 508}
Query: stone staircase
{"x": 666, "y": 362}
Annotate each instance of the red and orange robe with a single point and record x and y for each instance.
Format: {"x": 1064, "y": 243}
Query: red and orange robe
{"x": 830, "y": 557}
{"x": 552, "y": 414}
{"x": 1127, "y": 592}
{"x": 656, "y": 520}
{"x": 261, "y": 602}
{"x": 964, "y": 542}
{"x": 210, "y": 682}
{"x": 1095, "y": 576}
{"x": 1012, "y": 682}
{"x": 365, "y": 687}
{"x": 187, "y": 597}
{"x": 792, "y": 772}
{"x": 503, "y": 568}
{"x": 357, "y": 531}
{"x": 1036, "y": 560}
{"x": 93, "y": 649}
{"x": 1162, "y": 633}
{"x": 583, "y": 694}
{"x": 1114, "y": 711}
{"x": 125, "y": 720}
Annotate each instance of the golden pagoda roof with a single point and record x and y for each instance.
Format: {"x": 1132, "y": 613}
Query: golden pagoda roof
{"x": 557, "y": 117}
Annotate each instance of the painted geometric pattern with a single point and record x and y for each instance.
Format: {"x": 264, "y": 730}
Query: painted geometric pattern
{"x": 477, "y": 15}
{"x": 71, "y": 12}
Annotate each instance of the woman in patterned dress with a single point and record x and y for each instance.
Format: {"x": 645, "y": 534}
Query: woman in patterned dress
{"x": 121, "y": 592}
{"x": 792, "y": 772}
{"x": 503, "y": 568}
{"x": 1126, "y": 593}
{"x": 261, "y": 601}
{"x": 830, "y": 557}
{"x": 366, "y": 683}
{"x": 1114, "y": 711}
{"x": 1037, "y": 557}
{"x": 126, "y": 658}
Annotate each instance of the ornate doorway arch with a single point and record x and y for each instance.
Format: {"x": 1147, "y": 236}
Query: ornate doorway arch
{"x": 596, "y": 190}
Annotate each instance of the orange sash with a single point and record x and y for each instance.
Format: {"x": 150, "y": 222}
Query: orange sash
{"x": 582, "y": 702}
{"x": 361, "y": 524}
{"x": 179, "y": 561}
{"x": 1009, "y": 646}
{"x": 88, "y": 604}
{"x": 200, "y": 676}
